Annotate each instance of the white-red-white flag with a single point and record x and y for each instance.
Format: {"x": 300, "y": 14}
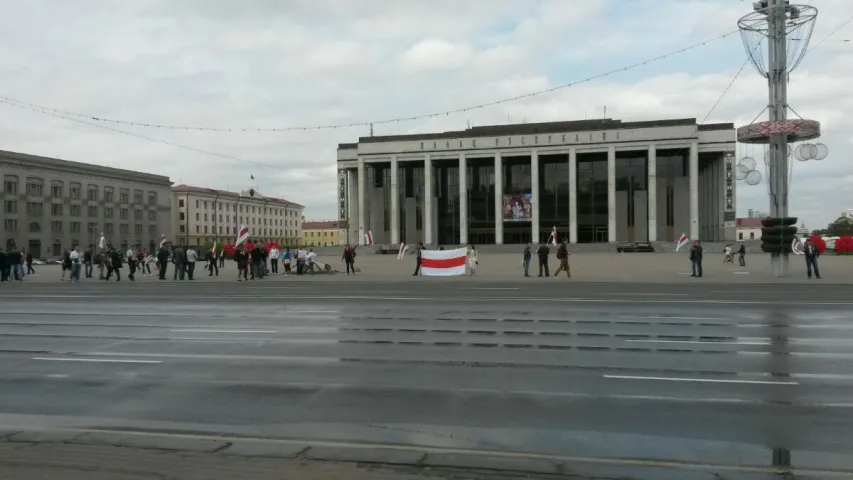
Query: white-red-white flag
{"x": 553, "y": 236}
{"x": 797, "y": 246}
{"x": 368, "y": 238}
{"x": 162, "y": 240}
{"x": 242, "y": 235}
{"x": 402, "y": 252}
{"x": 682, "y": 241}
{"x": 443, "y": 263}
{"x": 213, "y": 250}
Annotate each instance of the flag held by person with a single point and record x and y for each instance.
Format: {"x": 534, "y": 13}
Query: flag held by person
{"x": 162, "y": 240}
{"x": 213, "y": 250}
{"x": 402, "y": 253}
{"x": 443, "y": 263}
{"x": 553, "y": 236}
{"x": 242, "y": 235}
{"x": 102, "y": 243}
{"x": 682, "y": 241}
{"x": 368, "y": 238}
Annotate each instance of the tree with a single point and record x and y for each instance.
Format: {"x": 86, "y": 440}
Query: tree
{"x": 842, "y": 226}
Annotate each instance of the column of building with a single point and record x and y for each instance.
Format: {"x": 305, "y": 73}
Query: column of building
{"x": 652, "y": 192}
{"x": 395, "y": 203}
{"x": 611, "y": 193}
{"x": 463, "y": 199}
{"x": 427, "y": 220}
{"x": 499, "y": 186}
{"x": 694, "y": 189}
{"x": 534, "y": 201}
{"x": 362, "y": 219}
{"x": 573, "y": 195}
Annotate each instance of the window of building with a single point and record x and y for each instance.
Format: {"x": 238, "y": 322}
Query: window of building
{"x": 197, "y": 216}
{"x": 10, "y": 185}
{"x": 752, "y": 235}
{"x": 152, "y": 230}
{"x": 181, "y": 216}
{"x": 108, "y": 212}
{"x": 56, "y": 189}
{"x": 137, "y": 197}
{"x": 137, "y": 215}
{"x": 198, "y": 204}
{"x": 123, "y": 213}
{"x": 10, "y": 206}
{"x": 108, "y": 227}
{"x": 75, "y": 227}
{"x": 35, "y": 188}
{"x": 137, "y": 229}
{"x": 92, "y": 193}
{"x": 11, "y": 225}
{"x": 124, "y": 228}
{"x": 56, "y": 226}
{"x": 35, "y": 209}
{"x": 205, "y": 217}
{"x": 35, "y": 227}
{"x": 152, "y": 198}
{"x": 109, "y": 194}
{"x": 92, "y": 210}
{"x": 182, "y": 228}
{"x": 197, "y": 229}
{"x": 152, "y": 215}
{"x": 75, "y": 210}
{"x": 124, "y": 195}
{"x": 740, "y": 235}
{"x": 181, "y": 202}
{"x": 205, "y": 229}
{"x": 56, "y": 209}
{"x": 205, "y": 204}
{"x": 74, "y": 191}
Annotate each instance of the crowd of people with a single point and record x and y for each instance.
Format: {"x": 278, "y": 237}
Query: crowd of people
{"x": 252, "y": 263}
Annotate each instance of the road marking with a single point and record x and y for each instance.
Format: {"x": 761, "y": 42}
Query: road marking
{"x": 57, "y": 375}
{"x": 99, "y": 360}
{"x": 491, "y": 288}
{"x": 685, "y": 273}
{"x": 653, "y": 317}
{"x": 741, "y": 273}
{"x": 696, "y": 342}
{"x": 650, "y": 294}
{"x": 201, "y": 330}
{"x": 698, "y": 380}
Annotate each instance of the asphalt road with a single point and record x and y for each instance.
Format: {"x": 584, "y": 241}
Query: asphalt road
{"x": 689, "y": 372}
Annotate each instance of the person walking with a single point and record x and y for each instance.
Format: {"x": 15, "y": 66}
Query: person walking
{"x": 563, "y": 257}
{"x": 349, "y": 258}
{"x": 274, "y": 254}
{"x": 696, "y": 259}
{"x": 75, "y": 264}
{"x": 192, "y": 257}
{"x": 419, "y": 253}
{"x": 30, "y": 269}
{"x": 741, "y": 255}
{"x": 542, "y": 252}
{"x": 525, "y": 260}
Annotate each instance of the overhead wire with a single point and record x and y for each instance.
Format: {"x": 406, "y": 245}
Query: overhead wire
{"x": 99, "y": 119}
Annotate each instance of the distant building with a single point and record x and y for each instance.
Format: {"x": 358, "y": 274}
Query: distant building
{"x": 748, "y": 228}
{"x": 205, "y": 215}
{"x": 756, "y": 214}
{"x": 51, "y": 205}
{"x": 324, "y": 234}
{"x": 592, "y": 180}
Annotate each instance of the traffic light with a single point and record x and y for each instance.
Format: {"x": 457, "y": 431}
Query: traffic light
{"x": 777, "y": 234}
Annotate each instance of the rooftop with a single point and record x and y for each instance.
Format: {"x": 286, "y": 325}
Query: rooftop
{"x": 81, "y": 167}
{"x": 328, "y": 225}
{"x": 235, "y": 195}
{"x": 545, "y": 127}
{"x": 748, "y": 223}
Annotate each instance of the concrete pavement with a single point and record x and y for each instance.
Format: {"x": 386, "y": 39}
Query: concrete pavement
{"x": 588, "y": 373}
{"x": 586, "y": 267}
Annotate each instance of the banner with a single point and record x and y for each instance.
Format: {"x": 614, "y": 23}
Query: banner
{"x": 518, "y": 208}
{"x": 443, "y": 263}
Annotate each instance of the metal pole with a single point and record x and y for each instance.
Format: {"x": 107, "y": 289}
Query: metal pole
{"x": 777, "y": 78}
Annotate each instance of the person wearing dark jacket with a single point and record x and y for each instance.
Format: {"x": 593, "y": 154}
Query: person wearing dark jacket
{"x": 162, "y": 261}
{"x": 13, "y": 263}
{"x": 696, "y": 259}
{"x": 4, "y": 267}
{"x": 212, "y": 263}
{"x": 418, "y": 258}
{"x": 563, "y": 257}
{"x": 87, "y": 261}
{"x": 66, "y": 264}
{"x": 811, "y": 253}
{"x": 257, "y": 255}
{"x": 114, "y": 264}
{"x": 741, "y": 255}
{"x": 242, "y": 259}
{"x": 525, "y": 260}
{"x": 30, "y": 269}
{"x": 542, "y": 252}
{"x": 349, "y": 258}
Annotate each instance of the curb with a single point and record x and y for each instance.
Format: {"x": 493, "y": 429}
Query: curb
{"x": 406, "y": 458}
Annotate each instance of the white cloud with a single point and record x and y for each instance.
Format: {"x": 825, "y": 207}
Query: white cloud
{"x": 273, "y": 63}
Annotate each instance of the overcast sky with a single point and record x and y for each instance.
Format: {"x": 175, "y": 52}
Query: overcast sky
{"x": 284, "y": 63}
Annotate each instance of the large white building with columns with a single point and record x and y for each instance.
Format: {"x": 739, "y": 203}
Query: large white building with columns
{"x": 594, "y": 181}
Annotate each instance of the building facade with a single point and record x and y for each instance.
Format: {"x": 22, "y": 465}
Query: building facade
{"x": 748, "y": 228}
{"x": 593, "y": 180}
{"x": 324, "y": 234}
{"x": 205, "y": 215}
{"x": 51, "y": 205}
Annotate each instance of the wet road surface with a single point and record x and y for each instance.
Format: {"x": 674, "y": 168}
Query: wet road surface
{"x": 689, "y": 372}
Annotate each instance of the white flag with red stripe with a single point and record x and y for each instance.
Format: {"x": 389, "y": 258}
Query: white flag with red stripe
{"x": 443, "y": 263}
{"x": 402, "y": 252}
{"x": 684, "y": 240}
{"x": 368, "y": 238}
{"x": 213, "y": 250}
{"x": 797, "y": 246}
{"x": 242, "y": 235}
{"x": 553, "y": 236}
{"x": 162, "y": 240}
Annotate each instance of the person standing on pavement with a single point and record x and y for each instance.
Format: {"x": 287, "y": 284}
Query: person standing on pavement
{"x": 811, "y": 253}
{"x": 563, "y": 257}
{"x": 30, "y": 269}
{"x": 13, "y": 260}
{"x": 212, "y": 263}
{"x": 102, "y": 264}
{"x": 311, "y": 259}
{"x": 179, "y": 258}
{"x": 525, "y": 260}
{"x": 473, "y": 261}
{"x": 115, "y": 264}
{"x": 87, "y": 262}
{"x": 4, "y": 271}
{"x": 274, "y": 254}
{"x": 75, "y": 264}
{"x": 242, "y": 260}
{"x": 257, "y": 262}
{"x": 696, "y": 258}
{"x": 349, "y": 258}
{"x": 286, "y": 257}
{"x": 192, "y": 257}
{"x": 542, "y": 252}
{"x": 131, "y": 264}
{"x": 741, "y": 255}
{"x": 162, "y": 262}
{"x": 419, "y": 254}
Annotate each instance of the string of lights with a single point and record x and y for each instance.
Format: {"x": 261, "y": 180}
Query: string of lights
{"x": 104, "y": 120}
{"x": 36, "y": 109}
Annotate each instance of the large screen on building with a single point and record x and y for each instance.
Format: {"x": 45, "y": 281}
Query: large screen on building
{"x": 518, "y": 208}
